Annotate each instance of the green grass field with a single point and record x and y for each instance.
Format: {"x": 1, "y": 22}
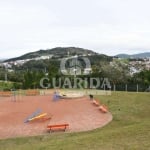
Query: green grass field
{"x": 129, "y": 130}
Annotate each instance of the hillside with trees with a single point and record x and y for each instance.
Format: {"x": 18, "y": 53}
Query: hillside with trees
{"x": 58, "y": 52}
{"x": 29, "y": 74}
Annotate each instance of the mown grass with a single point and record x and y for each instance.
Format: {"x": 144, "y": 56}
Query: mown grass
{"x": 129, "y": 130}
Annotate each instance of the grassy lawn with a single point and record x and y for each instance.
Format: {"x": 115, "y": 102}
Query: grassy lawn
{"x": 129, "y": 130}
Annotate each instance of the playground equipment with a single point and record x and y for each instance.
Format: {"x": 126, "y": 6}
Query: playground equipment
{"x": 71, "y": 95}
{"x": 67, "y": 94}
{"x": 91, "y": 97}
{"x": 34, "y": 114}
{"x": 41, "y": 117}
{"x": 56, "y": 96}
{"x": 37, "y": 115}
{"x": 103, "y": 108}
{"x": 95, "y": 102}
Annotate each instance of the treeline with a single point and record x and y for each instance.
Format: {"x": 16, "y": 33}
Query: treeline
{"x": 30, "y": 74}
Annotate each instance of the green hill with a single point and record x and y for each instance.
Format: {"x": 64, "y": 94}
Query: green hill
{"x": 56, "y": 52}
{"x": 140, "y": 55}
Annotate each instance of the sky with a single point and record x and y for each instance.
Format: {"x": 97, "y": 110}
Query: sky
{"x": 105, "y": 26}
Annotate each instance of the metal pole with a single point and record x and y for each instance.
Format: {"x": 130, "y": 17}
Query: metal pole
{"x": 137, "y": 88}
{"x": 114, "y": 87}
{"x": 126, "y": 87}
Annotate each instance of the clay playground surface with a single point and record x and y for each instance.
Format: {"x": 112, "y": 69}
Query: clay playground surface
{"x": 79, "y": 113}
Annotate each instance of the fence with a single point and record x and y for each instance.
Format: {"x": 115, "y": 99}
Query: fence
{"x": 131, "y": 87}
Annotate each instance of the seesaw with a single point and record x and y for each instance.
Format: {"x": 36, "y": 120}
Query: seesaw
{"x": 42, "y": 117}
{"x": 34, "y": 114}
{"x": 38, "y": 117}
{"x": 103, "y": 108}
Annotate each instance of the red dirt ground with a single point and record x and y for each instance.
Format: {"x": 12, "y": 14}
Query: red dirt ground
{"x": 80, "y": 113}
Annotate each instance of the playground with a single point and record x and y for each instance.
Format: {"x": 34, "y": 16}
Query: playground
{"x": 17, "y": 117}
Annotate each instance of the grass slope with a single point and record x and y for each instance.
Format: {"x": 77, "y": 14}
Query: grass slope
{"x": 129, "y": 129}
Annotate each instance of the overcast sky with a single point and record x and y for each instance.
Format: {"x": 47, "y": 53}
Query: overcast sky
{"x": 105, "y": 26}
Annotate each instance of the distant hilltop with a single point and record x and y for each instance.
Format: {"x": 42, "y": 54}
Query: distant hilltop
{"x": 140, "y": 55}
{"x": 62, "y": 52}
{"x": 58, "y": 52}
